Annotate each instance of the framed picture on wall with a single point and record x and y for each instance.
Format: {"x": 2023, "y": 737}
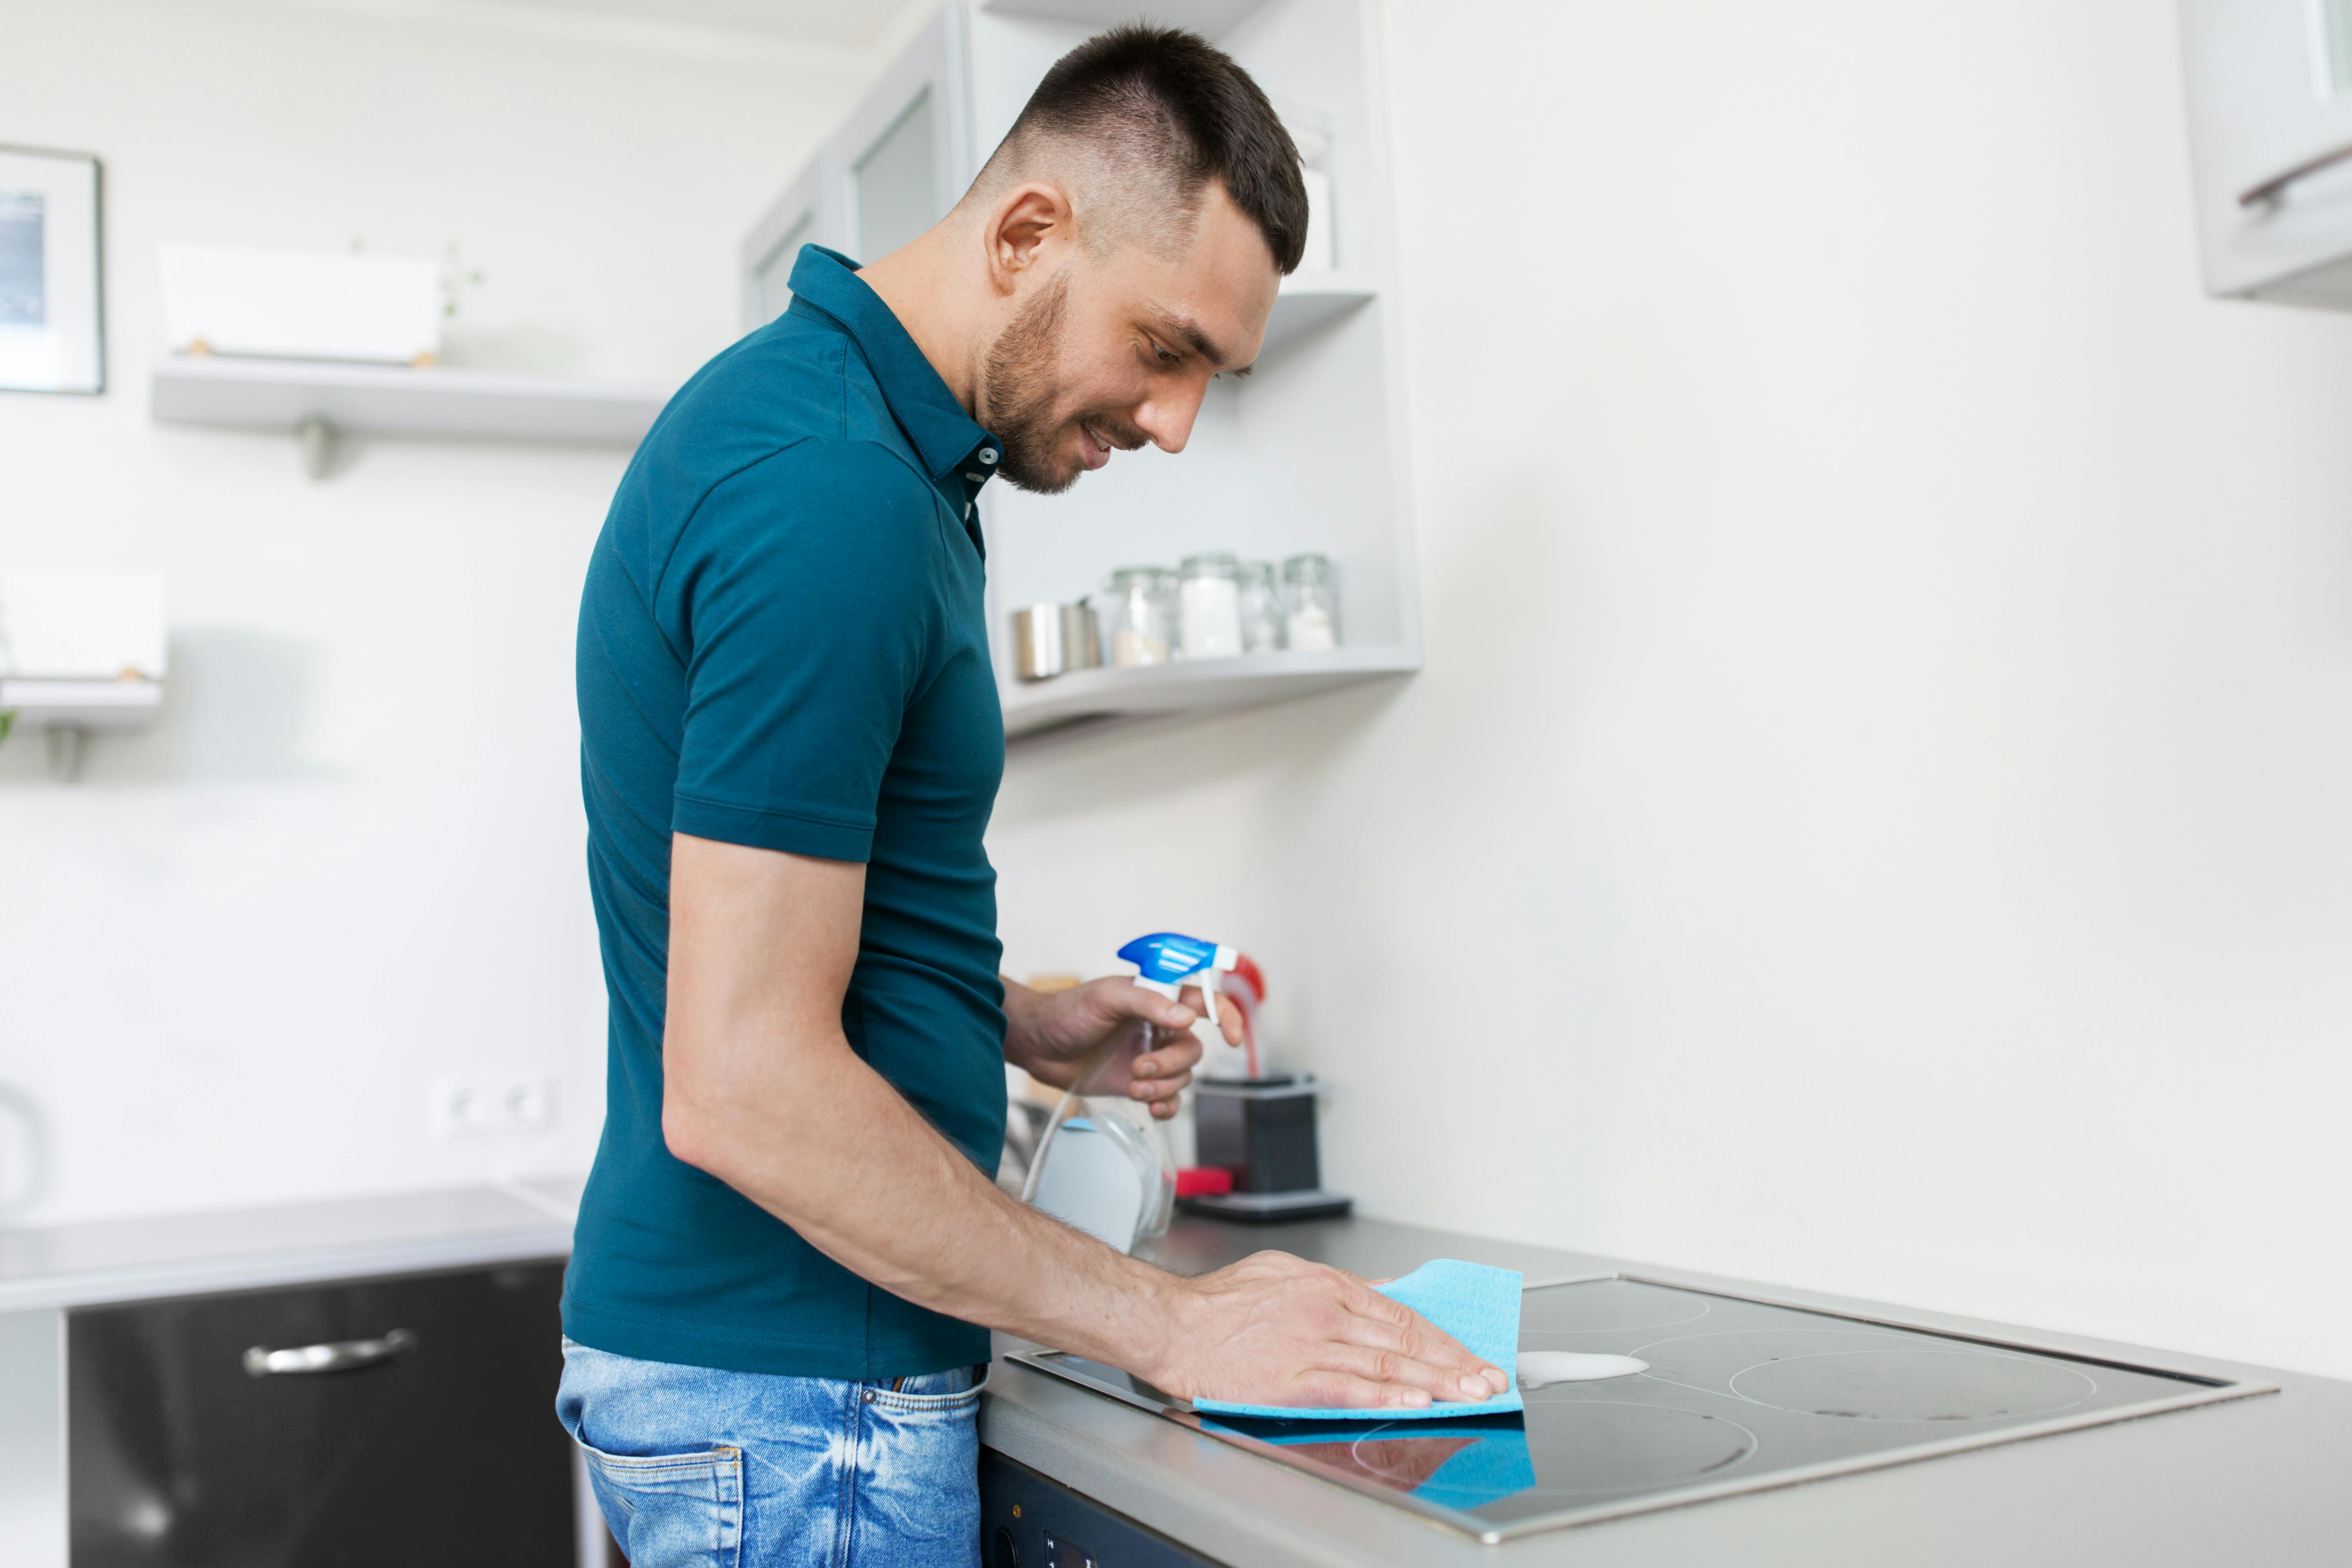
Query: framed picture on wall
{"x": 52, "y": 336}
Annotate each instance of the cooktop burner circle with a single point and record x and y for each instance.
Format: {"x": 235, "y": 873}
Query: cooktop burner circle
{"x": 1913, "y": 1385}
{"x": 1590, "y": 1447}
{"x": 1606, "y": 1306}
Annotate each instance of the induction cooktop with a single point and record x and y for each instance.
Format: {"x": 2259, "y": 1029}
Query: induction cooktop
{"x": 1742, "y": 1392}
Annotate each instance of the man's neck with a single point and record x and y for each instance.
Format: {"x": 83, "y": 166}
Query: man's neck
{"x": 929, "y": 301}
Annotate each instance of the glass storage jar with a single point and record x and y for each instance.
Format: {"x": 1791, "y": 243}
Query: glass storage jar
{"x": 1140, "y": 613}
{"x": 1210, "y": 605}
{"x": 1311, "y": 601}
{"x": 1261, "y": 608}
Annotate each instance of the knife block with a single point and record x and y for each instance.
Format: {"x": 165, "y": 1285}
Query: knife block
{"x": 1263, "y": 1131}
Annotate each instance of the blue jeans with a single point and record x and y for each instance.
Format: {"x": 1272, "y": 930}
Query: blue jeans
{"x": 701, "y": 1468}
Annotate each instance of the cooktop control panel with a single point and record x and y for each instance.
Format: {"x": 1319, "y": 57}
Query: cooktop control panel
{"x": 1029, "y": 1521}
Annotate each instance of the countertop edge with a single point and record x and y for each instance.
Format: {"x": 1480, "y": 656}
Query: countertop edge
{"x": 358, "y": 1259}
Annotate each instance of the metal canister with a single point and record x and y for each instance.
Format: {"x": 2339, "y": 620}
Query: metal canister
{"x": 1037, "y": 642}
{"x": 1081, "y": 643}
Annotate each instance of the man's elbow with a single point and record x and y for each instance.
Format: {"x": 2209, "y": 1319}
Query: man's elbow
{"x": 688, "y": 1132}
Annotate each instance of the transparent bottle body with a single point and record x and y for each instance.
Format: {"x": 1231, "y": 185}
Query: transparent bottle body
{"x": 1103, "y": 1164}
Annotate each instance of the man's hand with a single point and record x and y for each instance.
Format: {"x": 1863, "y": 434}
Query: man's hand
{"x": 1278, "y": 1330}
{"x": 1051, "y": 1038}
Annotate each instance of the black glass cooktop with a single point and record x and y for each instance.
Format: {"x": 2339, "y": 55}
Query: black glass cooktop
{"x": 1740, "y": 1393}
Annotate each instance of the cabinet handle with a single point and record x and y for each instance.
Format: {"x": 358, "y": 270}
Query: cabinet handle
{"x": 2274, "y": 187}
{"x": 339, "y": 1355}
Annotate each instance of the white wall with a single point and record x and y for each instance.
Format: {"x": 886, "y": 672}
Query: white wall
{"x": 351, "y": 856}
{"x": 1876, "y": 816}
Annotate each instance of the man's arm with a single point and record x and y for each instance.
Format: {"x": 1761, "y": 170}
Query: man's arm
{"x": 761, "y": 1090}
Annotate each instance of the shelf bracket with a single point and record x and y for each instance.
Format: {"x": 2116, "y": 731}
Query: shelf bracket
{"x": 67, "y": 744}
{"x": 318, "y": 439}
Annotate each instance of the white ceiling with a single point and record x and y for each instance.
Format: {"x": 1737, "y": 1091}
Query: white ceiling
{"x": 819, "y": 21}
{"x": 824, "y": 35}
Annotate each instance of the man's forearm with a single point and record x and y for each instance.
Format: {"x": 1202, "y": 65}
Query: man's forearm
{"x": 819, "y": 1139}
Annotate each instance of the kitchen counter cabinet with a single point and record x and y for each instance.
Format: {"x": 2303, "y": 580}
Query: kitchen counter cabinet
{"x": 2264, "y": 1480}
{"x": 298, "y": 1260}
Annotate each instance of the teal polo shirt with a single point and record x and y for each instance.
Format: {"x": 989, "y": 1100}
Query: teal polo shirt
{"x": 782, "y": 645}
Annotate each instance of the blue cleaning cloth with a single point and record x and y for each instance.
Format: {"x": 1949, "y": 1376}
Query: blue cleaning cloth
{"x": 1477, "y": 1305}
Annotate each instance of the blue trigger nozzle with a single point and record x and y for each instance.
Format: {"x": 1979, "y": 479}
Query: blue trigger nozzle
{"x": 1167, "y": 957}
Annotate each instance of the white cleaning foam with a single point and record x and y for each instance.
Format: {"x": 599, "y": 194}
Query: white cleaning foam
{"x": 1537, "y": 1368}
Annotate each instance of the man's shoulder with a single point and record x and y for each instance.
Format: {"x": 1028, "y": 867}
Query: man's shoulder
{"x": 793, "y": 398}
{"x": 785, "y": 383}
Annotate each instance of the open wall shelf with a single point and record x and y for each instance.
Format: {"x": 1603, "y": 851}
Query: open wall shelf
{"x": 1207, "y": 685}
{"x": 1307, "y": 301}
{"x": 396, "y": 399}
{"x": 80, "y": 704}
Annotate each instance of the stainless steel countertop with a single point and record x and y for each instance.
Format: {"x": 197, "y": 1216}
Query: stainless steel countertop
{"x": 2266, "y": 1479}
{"x": 176, "y": 1255}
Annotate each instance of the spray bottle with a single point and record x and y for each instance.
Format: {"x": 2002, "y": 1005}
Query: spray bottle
{"x": 1104, "y": 1165}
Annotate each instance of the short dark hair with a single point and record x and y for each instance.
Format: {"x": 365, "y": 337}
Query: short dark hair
{"x": 1168, "y": 103}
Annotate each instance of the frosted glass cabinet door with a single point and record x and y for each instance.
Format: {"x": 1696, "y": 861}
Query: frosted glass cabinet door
{"x": 795, "y": 220}
{"x": 904, "y": 150}
{"x": 2270, "y": 106}
{"x": 894, "y": 189}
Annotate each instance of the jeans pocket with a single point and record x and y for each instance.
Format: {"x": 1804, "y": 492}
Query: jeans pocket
{"x": 948, "y": 1392}
{"x": 918, "y": 1486}
{"x": 672, "y": 1511}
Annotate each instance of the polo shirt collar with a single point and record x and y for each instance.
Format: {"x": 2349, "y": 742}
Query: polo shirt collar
{"x": 958, "y": 454}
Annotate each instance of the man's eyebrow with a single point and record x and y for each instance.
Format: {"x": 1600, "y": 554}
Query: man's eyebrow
{"x": 1187, "y": 331}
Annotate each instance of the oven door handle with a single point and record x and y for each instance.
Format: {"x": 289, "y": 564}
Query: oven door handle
{"x": 336, "y": 1355}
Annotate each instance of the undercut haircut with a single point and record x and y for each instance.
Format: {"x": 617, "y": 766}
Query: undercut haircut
{"x": 1137, "y": 122}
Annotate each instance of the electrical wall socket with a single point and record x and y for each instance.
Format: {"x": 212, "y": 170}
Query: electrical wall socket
{"x": 467, "y": 1104}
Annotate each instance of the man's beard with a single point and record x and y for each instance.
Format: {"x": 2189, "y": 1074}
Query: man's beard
{"x": 1019, "y": 390}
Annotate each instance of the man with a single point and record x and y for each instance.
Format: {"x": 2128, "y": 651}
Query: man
{"x": 791, "y": 1251}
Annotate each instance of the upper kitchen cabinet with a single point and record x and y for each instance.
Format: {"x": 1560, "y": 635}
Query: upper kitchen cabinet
{"x": 2270, "y": 119}
{"x": 889, "y": 172}
{"x": 1305, "y": 455}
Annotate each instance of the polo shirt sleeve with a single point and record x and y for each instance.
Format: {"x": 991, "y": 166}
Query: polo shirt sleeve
{"x": 802, "y": 595}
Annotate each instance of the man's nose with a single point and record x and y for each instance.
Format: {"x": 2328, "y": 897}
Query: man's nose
{"x": 1168, "y": 417}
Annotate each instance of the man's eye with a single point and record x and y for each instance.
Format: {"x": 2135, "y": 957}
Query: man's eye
{"x": 1164, "y": 356}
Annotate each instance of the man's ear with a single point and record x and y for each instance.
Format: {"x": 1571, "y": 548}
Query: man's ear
{"x": 1019, "y": 225}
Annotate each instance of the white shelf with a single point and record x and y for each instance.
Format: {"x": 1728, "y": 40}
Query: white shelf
{"x": 1207, "y": 686}
{"x": 1310, "y": 298}
{"x": 287, "y": 395}
{"x": 80, "y": 704}
{"x": 1207, "y": 16}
